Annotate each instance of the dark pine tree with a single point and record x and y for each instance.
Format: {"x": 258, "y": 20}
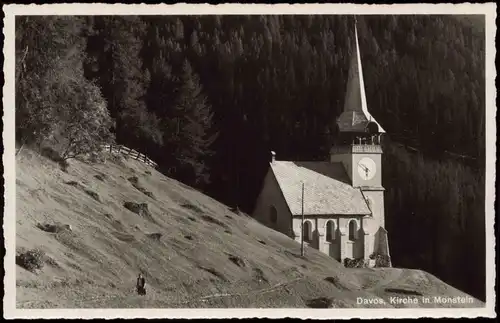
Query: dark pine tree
{"x": 190, "y": 133}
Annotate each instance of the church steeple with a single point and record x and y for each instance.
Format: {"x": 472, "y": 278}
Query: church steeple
{"x": 358, "y": 140}
{"x": 355, "y": 118}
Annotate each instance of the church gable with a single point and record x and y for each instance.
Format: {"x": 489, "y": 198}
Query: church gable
{"x": 327, "y": 190}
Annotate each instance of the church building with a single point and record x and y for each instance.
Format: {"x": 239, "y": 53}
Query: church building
{"x": 341, "y": 200}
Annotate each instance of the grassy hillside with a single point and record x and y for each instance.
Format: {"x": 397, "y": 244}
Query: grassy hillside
{"x": 206, "y": 255}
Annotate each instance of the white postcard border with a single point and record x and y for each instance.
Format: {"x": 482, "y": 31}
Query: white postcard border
{"x": 10, "y": 311}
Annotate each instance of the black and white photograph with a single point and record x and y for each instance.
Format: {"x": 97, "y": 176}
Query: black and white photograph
{"x": 249, "y": 160}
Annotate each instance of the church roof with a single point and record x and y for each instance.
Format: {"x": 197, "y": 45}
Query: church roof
{"x": 355, "y": 116}
{"x": 327, "y": 188}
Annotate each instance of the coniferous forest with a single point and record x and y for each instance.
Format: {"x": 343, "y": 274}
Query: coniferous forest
{"x": 208, "y": 98}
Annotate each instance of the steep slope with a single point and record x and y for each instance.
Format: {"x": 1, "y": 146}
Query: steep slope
{"x": 193, "y": 251}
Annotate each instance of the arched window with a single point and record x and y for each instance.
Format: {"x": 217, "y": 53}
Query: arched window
{"x": 330, "y": 230}
{"x": 353, "y": 230}
{"x": 273, "y": 214}
{"x": 307, "y": 231}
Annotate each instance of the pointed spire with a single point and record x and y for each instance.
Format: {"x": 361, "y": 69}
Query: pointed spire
{"x": 355, "y": 116}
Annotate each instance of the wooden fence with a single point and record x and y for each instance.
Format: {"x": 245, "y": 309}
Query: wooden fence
{"x": 116, "y": 149}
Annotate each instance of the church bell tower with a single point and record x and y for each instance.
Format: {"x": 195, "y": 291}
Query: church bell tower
{"x": 358, "y": 134}
{"x": 358, "y": 148}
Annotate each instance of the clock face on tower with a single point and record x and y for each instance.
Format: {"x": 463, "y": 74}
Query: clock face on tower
{"x": 366, "y": 168}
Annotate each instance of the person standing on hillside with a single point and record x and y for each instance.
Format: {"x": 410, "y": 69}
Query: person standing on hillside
{"x": 141, "y": 285}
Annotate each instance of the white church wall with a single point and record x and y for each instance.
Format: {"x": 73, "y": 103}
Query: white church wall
{"x": 333, "y": 248}
{"x": 376, "y": 199}
{"x": 271, "y": 196}
{"x": 359, "y": 246}
{"x": 339, "y": 248}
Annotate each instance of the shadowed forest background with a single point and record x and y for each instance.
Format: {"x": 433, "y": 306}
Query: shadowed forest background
{"x": 208, "y": 98}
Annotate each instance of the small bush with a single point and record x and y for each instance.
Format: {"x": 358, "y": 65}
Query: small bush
{"x": 149, "y": 194}
{"x": 381, "y": 260}
{"x": 73, "y": 183}
{"x": 134, "y": 180}
{"x": 355, "y": 263}
{"x": 140, "y": 209}
{"x": 320, "y": 302}
{"x": 53, "y": 228}
{"x": 237, "y": 261}
{"x": 100, "y": 177}
{"x": 335, "y": 281}
{"x": 135, "y": 207}
{"x": 188, "y": 237}
{"x": 155, "y": 236}
{"x": 93, "y": 194}
{"x": 31, "y": 260}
